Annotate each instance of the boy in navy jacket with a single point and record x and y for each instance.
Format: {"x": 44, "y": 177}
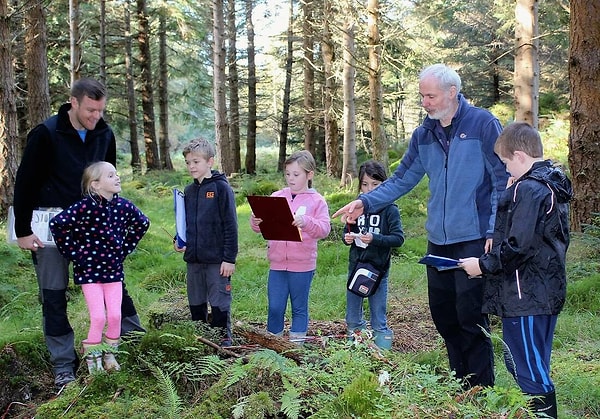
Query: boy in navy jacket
{"x": 211, "y": 239}
{"x": 525, "y": 276}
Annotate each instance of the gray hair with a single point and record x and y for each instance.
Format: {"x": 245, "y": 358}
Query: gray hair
{"x": 446, "y": 76}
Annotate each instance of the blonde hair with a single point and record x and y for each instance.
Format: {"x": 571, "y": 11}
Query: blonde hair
{"x": 305, "y": 160}
{"x": 202, "y": 146}
{"x": 91, "y": 174}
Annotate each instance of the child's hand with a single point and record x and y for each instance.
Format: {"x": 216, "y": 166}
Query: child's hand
{"x": 348, "y": 238}
{"x": 299, "y": 221}
{"x": 178, "y": 249}
{"x": 366, "y": 238}
{"x": 255, "y": 221}
{"x": 227, "y": 269}
{"x": 471, "y": 266}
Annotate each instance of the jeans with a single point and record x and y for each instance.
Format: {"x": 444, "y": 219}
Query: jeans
{"x": 377, "y": 308}
{"x": 296, "y": 286}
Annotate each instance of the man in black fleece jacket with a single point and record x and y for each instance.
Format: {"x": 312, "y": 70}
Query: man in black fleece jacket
{"x": 49, "y": 176}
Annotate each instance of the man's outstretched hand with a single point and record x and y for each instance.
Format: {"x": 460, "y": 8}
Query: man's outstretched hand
{"x": 350, "y": 212}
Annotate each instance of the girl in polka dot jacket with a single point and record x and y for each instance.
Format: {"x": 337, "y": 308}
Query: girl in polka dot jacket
{"x": 96, "y": 234}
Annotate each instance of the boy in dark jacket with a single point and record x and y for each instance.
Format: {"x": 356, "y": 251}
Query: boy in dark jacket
{"x": 525, "y": 276}
{"x": 211, "y": 238}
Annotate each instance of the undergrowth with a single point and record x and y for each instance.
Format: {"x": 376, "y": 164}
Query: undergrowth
{"x": 168, "y": 372}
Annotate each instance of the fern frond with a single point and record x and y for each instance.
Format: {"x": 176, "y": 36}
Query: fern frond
{"x": 291, "y": 403}
{"x": 210, "y": 365}
{"x": 238, "y": 408}
{"x": 271, "y": 361}
{"x": 173, "y": 405}
{"x": 237, "y": 371}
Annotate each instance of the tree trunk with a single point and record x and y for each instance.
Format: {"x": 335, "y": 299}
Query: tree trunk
{"x": 163, "y": 94}
{"x": 36, "y": 43}
{"x": 102, "y": 24}
{"x": 136, "y": 161}
{"x": 234, "y": 97}
{"x": 330, "y": 120}
{"x": 584, "y": 138}
{"x": 349, "y": 153}
{"x": 74, "y": 40}
{"x": 219, "y": 86}
{"x": 8, "y": 113}
{"x": 285, "y": 113}
{"x": 527, "y": 68}
{"x": 379, "y": 142}
{"x": 251, "y": 128}
{"x": 309, "y": 76}
{"x": 146, "y": 89}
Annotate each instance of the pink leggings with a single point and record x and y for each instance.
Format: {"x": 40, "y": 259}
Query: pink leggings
{"x": 98, "y": 297}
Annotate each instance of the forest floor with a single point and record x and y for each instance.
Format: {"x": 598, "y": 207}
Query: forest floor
{"x": 409, "y": 319}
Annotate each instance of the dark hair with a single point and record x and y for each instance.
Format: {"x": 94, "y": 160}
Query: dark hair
{"x": 88, "y": 87}
{"x": 373, "y": 169}
{"x": 519, "y": 136}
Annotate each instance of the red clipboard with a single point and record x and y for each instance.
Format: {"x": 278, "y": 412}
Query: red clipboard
{"x": 276, "y": 218}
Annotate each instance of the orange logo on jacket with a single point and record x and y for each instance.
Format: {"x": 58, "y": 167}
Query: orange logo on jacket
{"x": 210, "y": 194}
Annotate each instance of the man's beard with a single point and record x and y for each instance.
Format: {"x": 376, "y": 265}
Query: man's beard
{"x": 439, "y": 114}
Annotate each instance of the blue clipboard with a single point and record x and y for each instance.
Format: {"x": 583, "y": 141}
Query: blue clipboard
{"x": 179, "y": 207}
{"x": 439, "y": 262}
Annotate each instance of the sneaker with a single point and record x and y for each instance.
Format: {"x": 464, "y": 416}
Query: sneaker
{"x": 63, "y": 378}
{"x": 225, "y": 343}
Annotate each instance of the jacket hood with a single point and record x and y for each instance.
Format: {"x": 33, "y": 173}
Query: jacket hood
{"x": 554, "y": 177}
{"x": 215, "y": 177}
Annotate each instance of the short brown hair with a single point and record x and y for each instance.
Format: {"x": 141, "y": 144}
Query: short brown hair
{"x": 202, "y": 146}
{"x": 88, "y": 87}
{"x": 519, "y": 136}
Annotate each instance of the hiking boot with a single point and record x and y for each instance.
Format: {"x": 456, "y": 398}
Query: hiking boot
{"x": 63, "y": 378}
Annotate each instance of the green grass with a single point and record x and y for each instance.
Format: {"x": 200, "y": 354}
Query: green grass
{"x": 335, "y": 381}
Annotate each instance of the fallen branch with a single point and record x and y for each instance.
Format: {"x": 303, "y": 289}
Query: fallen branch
{"x": 217, "y": 347}
{"x": 267, "y": 340}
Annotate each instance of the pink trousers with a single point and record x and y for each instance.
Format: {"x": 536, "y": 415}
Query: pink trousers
{"x": 104, "y": 305}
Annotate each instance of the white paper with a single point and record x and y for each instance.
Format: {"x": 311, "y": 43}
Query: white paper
{"x": 40, "y": 225}
{"x": 179, "y": 205}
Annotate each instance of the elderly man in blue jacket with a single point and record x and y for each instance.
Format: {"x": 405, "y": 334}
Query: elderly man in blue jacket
{"x": 454, "y": 147}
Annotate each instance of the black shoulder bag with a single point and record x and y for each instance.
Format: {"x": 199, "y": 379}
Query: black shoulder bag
{"x": 365, "y": 279}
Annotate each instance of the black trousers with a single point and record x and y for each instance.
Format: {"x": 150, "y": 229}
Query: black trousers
{"x": 455, "y": 303}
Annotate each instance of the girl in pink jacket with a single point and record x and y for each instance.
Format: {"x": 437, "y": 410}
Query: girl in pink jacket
{"x": 292, "y": 264}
